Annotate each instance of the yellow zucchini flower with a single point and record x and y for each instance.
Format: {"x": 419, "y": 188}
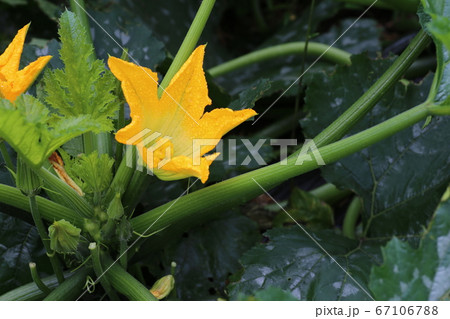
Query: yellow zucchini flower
{"x": 12, "y": 81}
{"x": 175, "y": 125}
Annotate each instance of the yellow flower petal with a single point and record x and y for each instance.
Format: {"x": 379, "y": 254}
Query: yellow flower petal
{"x": 178, "y": 116}
{"x": 12, "y": 81}
{"x": 10, "y": 59}
{"x": 182, "y": 167}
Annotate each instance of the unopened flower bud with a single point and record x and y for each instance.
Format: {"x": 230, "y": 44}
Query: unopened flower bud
{"x": 64, "y": 237}
{"x": 115, "y": 208}
{"x": 162, "y": 288}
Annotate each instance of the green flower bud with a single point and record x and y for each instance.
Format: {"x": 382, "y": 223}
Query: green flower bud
{"x": 162, "y": 288}
{"x": 115, "y": 208}
{"x": 93, "y": 228}
{"x": 64, "y": 237}
{"x": 27, "y": 180}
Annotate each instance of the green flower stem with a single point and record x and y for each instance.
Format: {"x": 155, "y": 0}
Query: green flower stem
{"x": 70, "y": 289}
{"x": 209, "y": 202}
{"x": 189, "y": 42}
{"x": 30, "y": 291}
{"x": 37, "y": 279}
{"x": 98, "y": 269}
{"x": 125, "y": 283}
{"x": 68, "y": 195}
{"x": 370, "y": 98}
{"x": 5, "y": 154}
{"x": 330, "y": 193}
{"x": 45, "y": 239}
{"x": 122, "y": 177}
{"x": 314, "y": 49}
{"x": 351, "y": 217}
{"x": 50, "y": 211}
{"x": 119, "y": 146}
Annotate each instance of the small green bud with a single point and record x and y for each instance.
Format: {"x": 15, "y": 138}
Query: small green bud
{"x": 64, "y": 237}
{"x": 93, "y": 228}
{"x": 162, "y": 288}
{"x": 27, "y": 180}
{"x": 115, "y": 208}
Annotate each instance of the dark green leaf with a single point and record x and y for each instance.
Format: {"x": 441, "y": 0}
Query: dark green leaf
{"x": 128, "y": 32}
{"x": 307, "y": 209}
{"x": 249, "y": 96}
{"x": 19, "y": 245}
{"x": 400, "y": 179}
{"x": 292, "y": 262}
{"x": 269, "y": 294}
{"x": 417, "y": 274}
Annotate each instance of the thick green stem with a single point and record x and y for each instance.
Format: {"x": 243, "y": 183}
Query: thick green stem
{"x": 50, "y": 211}
{"x": 368, "y": 100}
{"x": 98, "y": 269}
{"x": 45, "y": 239}
{"x": 125, "y": 283}
{"x": 351, "y": 217}
{"x": 314, "y": 49}
{"x": 123, "y": 175}
{"x": 37, "y": 279}
{"x": 67, "y": 195}
{"x": 330, "y": 193}
{"x": 5, "y": 154}
{"x": 71, "y": 289}
{"x": 30, "y": 291}
{"x": 189, "y": 42}
{"x": 207, "y": 203}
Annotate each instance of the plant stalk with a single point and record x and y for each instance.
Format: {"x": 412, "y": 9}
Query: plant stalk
{"x": 189, "y": 42}
{"x": 332, "y": 54}
{"x": 125, "y": 283}
{"x": 45, "y": 239}
{"x": 204, "y": 204}
{"x": 368, "y": 100}
{"x": 351, "y": 217}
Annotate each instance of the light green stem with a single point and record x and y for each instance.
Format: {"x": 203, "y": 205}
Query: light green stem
{"x": 314, "y": 49}
{"x": 98, "y": 269}
{"x": 351, "y": 217}
{"x": 31, "y": 291}
{"x": 51, "y": 211}
{"x": 370, "y": 98}
{"x": 70, "y": 289}
{"x": 125, "y": 283}
{"x": 37, "y": 279}
{"x": 209, "y": 202}
{"x": 189, "y": 42}
{"x": 330, "y": 193}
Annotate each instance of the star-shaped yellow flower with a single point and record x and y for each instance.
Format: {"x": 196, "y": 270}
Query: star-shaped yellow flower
{"x": 176, "y": 120}
{"x": 12, "y": 81}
